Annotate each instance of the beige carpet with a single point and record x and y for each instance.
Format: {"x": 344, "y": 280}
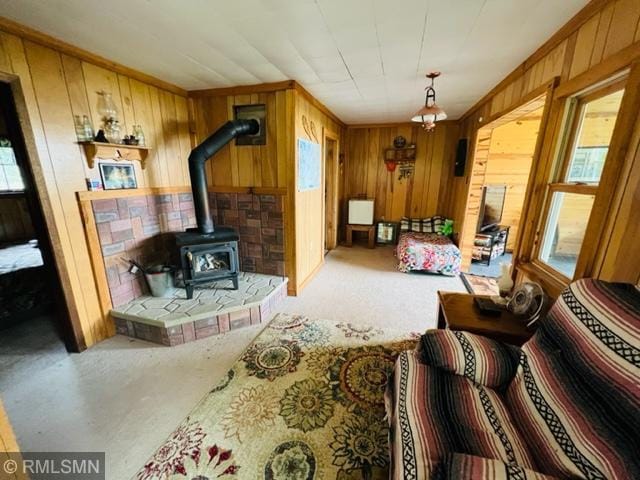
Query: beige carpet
{"x": 360, "y": 285}
{"x": 125, "y": 396}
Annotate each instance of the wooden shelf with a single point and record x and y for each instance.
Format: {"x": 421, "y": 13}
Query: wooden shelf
{"x": 404, "y": 154}
{"x": 114, "y": 151}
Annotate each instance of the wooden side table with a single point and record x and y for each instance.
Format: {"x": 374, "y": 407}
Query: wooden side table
{"x": 458, "y": 311}
{"x": 370, "y": 229}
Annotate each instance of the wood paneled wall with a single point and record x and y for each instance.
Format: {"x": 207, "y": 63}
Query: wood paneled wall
{"x": 425, "y": 193}
{"x": 310, "y": 124}
{"x": 15, "y": 220}
{"x": 601, "y": 40}
{"x": 247, "y": 166}
{"x": 54, "y": 84}
{"x": 289, "y": 108}
{"x": 509, "y": 163}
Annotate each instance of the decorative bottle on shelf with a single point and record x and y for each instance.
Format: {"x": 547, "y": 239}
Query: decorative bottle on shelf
{"x": 88, "y": 129}
{"x": 80, "y": 132}
{"x": 139, "y": 134}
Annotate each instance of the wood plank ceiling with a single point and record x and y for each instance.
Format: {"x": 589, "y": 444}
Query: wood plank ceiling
{"x": 365, "y": 59}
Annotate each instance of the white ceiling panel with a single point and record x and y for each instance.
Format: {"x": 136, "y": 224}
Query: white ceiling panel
{"x": 365, "y": 59}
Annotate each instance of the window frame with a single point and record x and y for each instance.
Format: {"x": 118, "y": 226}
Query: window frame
{"x": 3, "y": 168}
{"x": 557, "y": 183}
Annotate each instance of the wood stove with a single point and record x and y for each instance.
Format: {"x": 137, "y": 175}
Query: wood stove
{"x": 207, "y": 258}
{"x": 208, "y": 253}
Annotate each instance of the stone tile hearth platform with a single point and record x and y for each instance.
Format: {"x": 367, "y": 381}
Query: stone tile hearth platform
{"x": 214, "y": 309}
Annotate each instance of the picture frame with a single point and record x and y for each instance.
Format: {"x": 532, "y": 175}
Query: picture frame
{"x": 118, "y": 176}
{"x": 387, "y": 233}
{"x": 257, "y": 112}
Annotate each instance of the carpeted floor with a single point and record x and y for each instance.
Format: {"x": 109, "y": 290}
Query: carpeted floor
{"x": 360, "y": 285}
{"x": 125, "y": 396}
{"x": 305, "y": 401}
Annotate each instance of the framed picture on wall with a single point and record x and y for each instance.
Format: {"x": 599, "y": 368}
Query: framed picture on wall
{"x": 256, "y": 112}
{"x": 118, "y": 176}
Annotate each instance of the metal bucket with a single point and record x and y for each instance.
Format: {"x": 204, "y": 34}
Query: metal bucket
{"x": 161, "y": 281}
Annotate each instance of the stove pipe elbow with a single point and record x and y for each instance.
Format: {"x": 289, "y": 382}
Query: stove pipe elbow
{"x": 199, "y": 156}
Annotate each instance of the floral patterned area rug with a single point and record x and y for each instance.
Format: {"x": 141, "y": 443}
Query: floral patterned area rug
{"x": 304, "y": 401}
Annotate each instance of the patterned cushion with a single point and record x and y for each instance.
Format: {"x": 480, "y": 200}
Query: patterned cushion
{"x": 416, "y": 224}
{"x": 404, "y": 224}
{"x": 433, "y": 413}
{"x": 432, "y": 224}
{"x": 459, "y": 466}
{"x": 485, "y": 361}
{"x": 576, "y": 393}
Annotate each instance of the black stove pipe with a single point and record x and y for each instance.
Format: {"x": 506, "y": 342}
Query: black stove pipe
{"x": 199, "y": 156}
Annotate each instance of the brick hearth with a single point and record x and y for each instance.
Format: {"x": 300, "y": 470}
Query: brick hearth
{"x": 214, "y": 309}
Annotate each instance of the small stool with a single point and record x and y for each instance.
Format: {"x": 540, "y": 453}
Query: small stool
{"x": 370, "y": 229}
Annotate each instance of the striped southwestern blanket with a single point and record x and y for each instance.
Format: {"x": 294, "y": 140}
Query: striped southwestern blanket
{"x": 572, "y": 409}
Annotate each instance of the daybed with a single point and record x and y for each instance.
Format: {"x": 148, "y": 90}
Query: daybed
{"x": 566, "y": 405}
{"x": 423, "y": 247}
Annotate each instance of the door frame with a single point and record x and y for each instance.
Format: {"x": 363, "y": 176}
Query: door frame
{"x": 40, "y": 210}
{"x": 331, "y": 175}
{"x": 540, "y": 98}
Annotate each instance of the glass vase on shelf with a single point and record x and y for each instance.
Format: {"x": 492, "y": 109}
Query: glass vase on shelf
{"x": 87, "y": 128}
{"x": 80, "y": 132}
{"x": 139, "y": 134}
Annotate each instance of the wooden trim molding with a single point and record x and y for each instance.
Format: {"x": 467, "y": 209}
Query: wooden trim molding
{"x": 136, "y": 192}
{"x": 581, "y": 188}
{"x": 267, "y": 87}
{"x": 318, "y": 104}
{"x": 97, "y": 264}
{"x": 551, "y": 284}
{"x": 593, "y": 7}
{"x": 518, "y": 107}
{"x": 35, "y": 36}
{"x": 616, "y": 63}
{"x": 243, "y": 89}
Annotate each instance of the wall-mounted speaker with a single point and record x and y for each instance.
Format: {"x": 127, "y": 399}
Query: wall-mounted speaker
{"x": 461, "y": 157}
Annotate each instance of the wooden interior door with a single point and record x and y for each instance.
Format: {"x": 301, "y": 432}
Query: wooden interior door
{"x": 331, "y": 176}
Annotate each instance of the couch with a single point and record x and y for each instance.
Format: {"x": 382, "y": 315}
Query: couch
{"x": 564, "y": 405}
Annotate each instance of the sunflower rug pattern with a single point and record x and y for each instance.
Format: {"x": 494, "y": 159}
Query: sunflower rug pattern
{"x": 304, "y": 401}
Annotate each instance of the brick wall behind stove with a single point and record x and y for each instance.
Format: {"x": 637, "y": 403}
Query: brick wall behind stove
{"x": 139, "y": 228}
{"x": 259, "y": 222}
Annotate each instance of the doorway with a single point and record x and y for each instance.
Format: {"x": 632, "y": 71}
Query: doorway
{"x": 503, "y": 157}
{"x": 331, "y": 182}
{"x": 32, "y": 314}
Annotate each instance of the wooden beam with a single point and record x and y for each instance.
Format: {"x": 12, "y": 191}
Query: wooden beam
{"x": 593, "y": 7}
{"x": 243, "y": 89}
{"x": 318, "y": 104}
{"x": 35, "y": 36}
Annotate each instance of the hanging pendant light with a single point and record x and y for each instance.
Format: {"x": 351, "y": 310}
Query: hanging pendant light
{"x": 431, "y": 112}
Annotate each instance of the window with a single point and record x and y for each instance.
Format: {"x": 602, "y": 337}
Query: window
{"x": 572, "y": 191}
{"x": 10, "y": 176}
